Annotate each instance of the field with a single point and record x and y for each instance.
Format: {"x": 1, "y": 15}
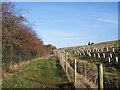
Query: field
{"x": 40, "y": 73}
{"x": 29, "y": 62}
{"x": 89, "y": 56}
{"x": 63, "y": 72}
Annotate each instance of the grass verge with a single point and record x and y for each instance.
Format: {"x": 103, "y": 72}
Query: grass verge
{"x": 42, "y": 73}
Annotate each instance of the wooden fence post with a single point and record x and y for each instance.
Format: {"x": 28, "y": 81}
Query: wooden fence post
{"x": 19, "y": 60}
{"x": 75, "y": 71}
{"x": 100, "y": 77}
{"x": 66, "y": 57}
{"x": 63, "y": 62}
{"x": 61, "y": 58}
{"x": 11, "y": 54}
{"x": 60, "y": 55}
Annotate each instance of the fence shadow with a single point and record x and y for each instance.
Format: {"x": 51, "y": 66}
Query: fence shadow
{"x": 65, "y": 86}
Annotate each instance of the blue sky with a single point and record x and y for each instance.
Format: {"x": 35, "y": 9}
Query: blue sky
{"x": 65, "y": 24}
{"x": 62, "y": 0}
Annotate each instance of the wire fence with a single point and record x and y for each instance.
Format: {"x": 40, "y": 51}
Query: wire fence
{"x": 82, "y": 72}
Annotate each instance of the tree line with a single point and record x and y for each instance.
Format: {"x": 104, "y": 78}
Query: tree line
{"x": 19, "y": 41}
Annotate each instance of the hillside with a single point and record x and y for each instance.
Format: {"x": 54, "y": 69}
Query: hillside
{"x": 89, "y": 56}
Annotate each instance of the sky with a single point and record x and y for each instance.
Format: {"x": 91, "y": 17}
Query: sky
{"x": 61, "y": 0}
{"x": 65, "y": 24}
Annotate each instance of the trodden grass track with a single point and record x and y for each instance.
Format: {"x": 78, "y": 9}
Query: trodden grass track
{"x": 40, "y": 73}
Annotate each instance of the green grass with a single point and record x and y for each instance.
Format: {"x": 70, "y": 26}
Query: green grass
{"x": 111, "y": 71}
{"x": 96, "y": 61}
{"x": 42, "y": 73}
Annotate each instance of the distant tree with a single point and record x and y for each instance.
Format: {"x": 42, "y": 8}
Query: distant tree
{"x": 54, "y": 47}
{"x": 51, "y": 48}
{"x": 92, "y": 43}
{"x": 50, "y": 45}
{"x": 88, "y": 43}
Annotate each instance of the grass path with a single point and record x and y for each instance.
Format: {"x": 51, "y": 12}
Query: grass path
{"x": 42, "y": 73}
